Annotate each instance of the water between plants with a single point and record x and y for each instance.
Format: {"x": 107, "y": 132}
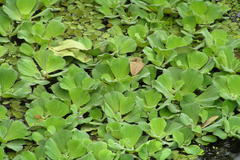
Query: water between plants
{"x": 222, "y": 150}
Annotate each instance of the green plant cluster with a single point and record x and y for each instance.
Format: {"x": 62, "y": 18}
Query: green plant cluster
{"x": 116, "y": 79}
{"x": 231, "y": 23}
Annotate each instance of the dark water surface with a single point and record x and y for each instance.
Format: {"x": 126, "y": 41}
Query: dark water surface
{"x": 222, "y": 150}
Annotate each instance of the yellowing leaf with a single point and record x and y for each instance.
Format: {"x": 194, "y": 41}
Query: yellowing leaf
{"x": 73, "y": 48}
{"x": 69, "y": 44}
{"x": 209, "y": 121}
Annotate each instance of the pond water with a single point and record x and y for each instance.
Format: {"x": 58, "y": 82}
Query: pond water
{"x": 222, "y": 150}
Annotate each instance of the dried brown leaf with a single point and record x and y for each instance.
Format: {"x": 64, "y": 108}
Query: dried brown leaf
{"x": 136, "y": 65}
{"x": 37, "y": 116}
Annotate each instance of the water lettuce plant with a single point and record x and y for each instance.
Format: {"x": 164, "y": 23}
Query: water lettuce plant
{"x": 116, "y": 79}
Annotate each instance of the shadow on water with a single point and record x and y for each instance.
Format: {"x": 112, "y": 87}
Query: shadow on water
{"x": 222, "y": 150}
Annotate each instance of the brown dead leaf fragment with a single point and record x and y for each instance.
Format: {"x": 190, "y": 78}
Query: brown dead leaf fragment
{"x": 209, "y": 121}
{"x": 37, "y": 116}
{"x": 136, "y": 65}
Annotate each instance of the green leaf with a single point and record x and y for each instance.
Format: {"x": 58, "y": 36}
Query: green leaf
{"x": 228, "y": 107}
{"x": 36, "y": 136}
{"x": 106, "y": 11}
{"x": 26, "y": 49}
{"x": 198, "y": 7}
{"x": 234, "y": 124}
{"x": 189, "y": 23}
{"x": 96, "y": 114}
{"x": 16, "y": 145}
{"x": 154, "y": 57}
{"x": 157, "y": 126}
{"x": 25, "y": 7}
{"x": 159, "y": 2}
{"x": 54, "y": 28}
{"x": 193, "y": 80}
{"x": 126, "y": 104}
{"x": 154, "y": 146}
{"x": 55, "y": 124}
{"x": 27, "y": 67}
{"x": 111, "y": 103}
{"x": 118, "y": 103}
{"x": 27, "y": 155}
{"x": 96, "y": 148}
{"x": 122, "y": 44}
{"x": 21, "y": 89}
{"x": 193, "y": 149}
{"x": 76, "y": 77}
{"x": 126, "y": 157}
{"x": 214, "y": 12}
{"x": 16, "y": 130}
{"x": 101, "y": 71}
{"x": 60, "y": 93}
{"x": 220, "y": 37}
{"x": 114, "y": 129}
{"x": 119, "y": 67}
{"x": 48, "y": 3}
{"x": 220, "y": 133}
{"x": 227, "y": 61}
{"x": 87, "y": 43}
{"x": 228, "y": 86}
{"x": 220, "y": 83}
{"x": 138, "y": 32}
{"x": 48, "y": 61}
{"x": 208, "y": 96}
{"x": 3, "y": 51}
{"x": 164, "y": 84}
{"x": 26, "y": 32}
{"x": 130, "y": 135}
{"x": 57, "y": 108}
{"x": 190, "y": 110}
{"x": 110, "y": 3}
{"x": 209, "y": 138}
{"x": 178, "y": 137}
{"x": 107, "y": 154}
{"x": 3, "y": 112}
{"x": 157, "y": 38}
{"x": 175, "y": 42}
{"x": 76, "y": 148}
{"x": 163, "y": 154}
{"x": 31, "y": 114}
{"x": 11, "y": 10}
{"x": 8, "y": 77}
{"x": 2, "y": 153}
{"x": 208, "y": 37}
{"x": 6, "y": 24}
{"x": 138, "y": 29}
{"x": 52, "y": 150}
{"x": 197, "y": 60}
{"x": 151, "y": 97}
{"x": 79, "y": 96}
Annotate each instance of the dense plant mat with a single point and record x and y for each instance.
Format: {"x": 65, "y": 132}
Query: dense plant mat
{"x": 117, "y": 79}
